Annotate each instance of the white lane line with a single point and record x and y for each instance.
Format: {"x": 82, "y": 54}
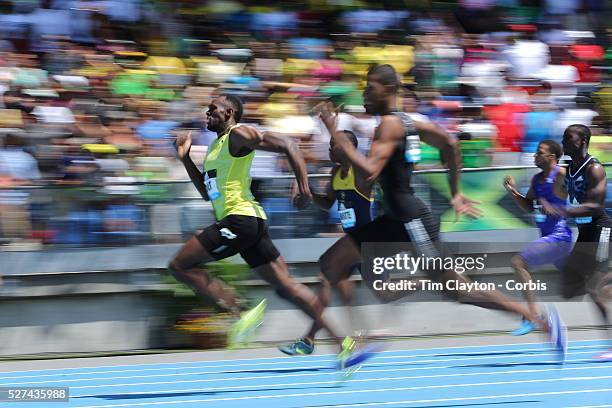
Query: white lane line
{"x": 532, "y": 394}
{"x": 249, "y": 388}
{"x": 334, "y": 373}
{"x": 280, "y": 361}
{"x": 591, "y": 406}
{"x": 397, "y": 360}
{"x": 301, "y": 357}
{"x": 329, "y": 373}
{"x": 379, "y": 390}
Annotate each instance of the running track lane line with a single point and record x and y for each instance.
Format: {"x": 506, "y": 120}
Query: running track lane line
{"x": 259, "y": 397}
{"x": 399, "y": 360}
{"x": 251, "y": 387}
{"x": 534, "y": 394}
{"x": 505, "y": 347}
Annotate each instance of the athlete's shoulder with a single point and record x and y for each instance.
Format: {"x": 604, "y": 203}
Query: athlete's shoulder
{"x": 242, "y": 129}
{"x": 594, "y": 161}
{"x": 595, "y": 168}
{"x": 246, "y": 133}
{"x": 561, "y": 175}
{"x": 561, "y": 172}
{"x": 536, "y": 177}
{"x": 391, "y": 126}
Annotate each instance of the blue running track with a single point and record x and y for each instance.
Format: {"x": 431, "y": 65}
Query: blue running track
{"x": 517, "y": 375}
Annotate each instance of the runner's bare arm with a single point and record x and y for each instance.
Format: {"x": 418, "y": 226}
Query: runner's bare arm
{"x": 253, "y": 139}
{"x": 183, "y": 147}
{"x": 383, "y": 145}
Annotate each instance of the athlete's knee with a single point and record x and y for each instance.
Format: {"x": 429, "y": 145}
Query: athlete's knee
{"x": 179, "y": 272}
{"x": 345, "y": 287}
{"x": 297, "y": 293}
{"x": 286, "y": 291}
{"x": 174, "y": 268}
{"x": 325, "y": 290}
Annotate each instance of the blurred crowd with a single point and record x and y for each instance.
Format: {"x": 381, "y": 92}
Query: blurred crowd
{"x": 93, "y": 93}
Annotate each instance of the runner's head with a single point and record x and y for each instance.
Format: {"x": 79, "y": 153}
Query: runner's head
{"x": 548, "y": 154}
{"x": 224, "y": 111}
{"x": 576, "y": 139}
{"x": 350, "y": 136}
{"x": 379, "y": 96}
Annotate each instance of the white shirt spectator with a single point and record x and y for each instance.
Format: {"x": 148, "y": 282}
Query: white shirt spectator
{"x": 574, "y": 117}
{"x": 527, "y": 58}
{"x": 562, "y": 79}
{"x": 53, "y": 114}
{"x": 486, "y": 77}
{"x": 18, "y": 164}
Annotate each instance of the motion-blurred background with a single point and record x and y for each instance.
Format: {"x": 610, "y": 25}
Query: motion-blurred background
{"x": 92, "y": 94}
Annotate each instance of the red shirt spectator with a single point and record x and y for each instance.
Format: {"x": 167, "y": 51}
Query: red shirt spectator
{"x": 507, "y": 118}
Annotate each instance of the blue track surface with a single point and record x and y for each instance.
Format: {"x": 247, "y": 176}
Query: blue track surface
{"x": 518, "y": 375}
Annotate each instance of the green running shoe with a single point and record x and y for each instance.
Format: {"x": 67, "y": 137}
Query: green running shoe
{"x": 348, "y": 346}
{"x": 242, "y": 331}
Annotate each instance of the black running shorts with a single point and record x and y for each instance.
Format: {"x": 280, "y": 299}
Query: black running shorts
{"x": 245, "y": 235}
{"x": 422, "y": 233}
{"x": 588, "y": 261}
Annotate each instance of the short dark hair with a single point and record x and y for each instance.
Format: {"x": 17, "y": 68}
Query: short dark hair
{"x": 236, "y": 105}
{"x": 387, "y": 75}
{"x": 583, "y": 131}
{"x": 351, "y": 136}
{"x": 553, "y": 147}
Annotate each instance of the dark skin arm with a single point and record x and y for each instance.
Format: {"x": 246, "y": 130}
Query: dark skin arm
{"x": 183, "y": 147}
{"x": 325, "y": 201}
{"x": 387, "y": 136}
{"x": 244, "y": 139}
{"x": 525, "y": 202}
{"x": 449, "y": 150}
{"x": 596, "y": 195}
{"x": 362, "y": 182}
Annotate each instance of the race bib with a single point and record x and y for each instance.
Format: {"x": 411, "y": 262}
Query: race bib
{"x": 210, "y": 182}
{"x": 538, "y": 215}
{"x": 412, "y": 152}
{"x": 581, "y": 220}
{"x": 347, "y": 217}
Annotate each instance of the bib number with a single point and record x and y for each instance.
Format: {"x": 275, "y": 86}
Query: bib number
{"x": 412, "y": 152}
{"x": 211, "y": 185}
{"x": 347, "y": 217}
{"x": 538, "y": 215}
{"x": 581, "y": 220}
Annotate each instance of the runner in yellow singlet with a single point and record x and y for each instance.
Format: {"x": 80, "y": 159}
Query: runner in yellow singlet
{"x": 241, "y": 225}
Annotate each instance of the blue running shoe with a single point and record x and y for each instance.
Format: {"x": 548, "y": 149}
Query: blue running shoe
{"x": 351, "y": 362}
{"x": 299, "y": 347}
{"x": 360, "y": 356}
{"x": 607, "y": 356}
{"x": 527, "y": 326}
{"x": 558, "y": 332}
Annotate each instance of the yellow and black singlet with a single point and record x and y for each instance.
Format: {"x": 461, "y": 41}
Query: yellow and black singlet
{"x": 353, "y": 206}
{"x": 228, "y": 182}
